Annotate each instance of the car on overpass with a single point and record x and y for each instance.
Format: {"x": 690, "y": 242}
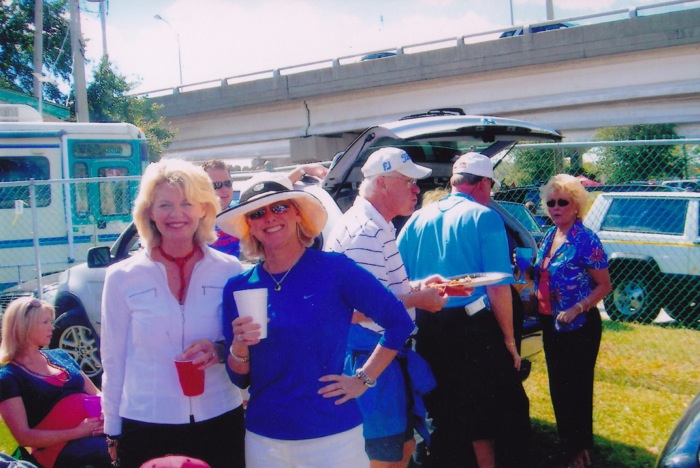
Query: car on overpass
{"x": 377, "y": 55}
{"x": 434, "y": 139}
{"x": 536, "y": 29}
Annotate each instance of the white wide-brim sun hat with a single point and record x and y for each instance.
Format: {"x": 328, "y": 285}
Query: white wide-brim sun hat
{"x": 267, "y": 188}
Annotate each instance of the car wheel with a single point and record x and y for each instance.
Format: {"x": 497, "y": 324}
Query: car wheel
{"x": 78, "y": 340}
{"x": 633, "y": 297}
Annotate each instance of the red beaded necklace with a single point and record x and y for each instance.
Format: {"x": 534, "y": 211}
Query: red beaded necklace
{"x": 180, "y": 262}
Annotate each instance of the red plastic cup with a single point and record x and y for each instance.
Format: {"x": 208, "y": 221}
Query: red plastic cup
{"x": 191, "y": 378}
{"x": 92, "y": 404}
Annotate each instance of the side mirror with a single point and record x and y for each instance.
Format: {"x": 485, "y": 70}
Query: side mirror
{"x": 98, "y": 257}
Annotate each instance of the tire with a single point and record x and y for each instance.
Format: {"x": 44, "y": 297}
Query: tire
{"x": 79, "y": 340}
{"x": 634, "y": 296}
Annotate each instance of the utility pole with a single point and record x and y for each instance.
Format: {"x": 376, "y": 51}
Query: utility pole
{"x": 550, "y": 10}
{"x": 177, "y": 37}
{"x": 38, "y": 50}
{"x": 103, "y": 23}
{"x": 76, "y": 42}
{"x": 510, "y": 2}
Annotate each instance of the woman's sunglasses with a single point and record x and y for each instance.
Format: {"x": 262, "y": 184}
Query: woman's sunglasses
{"x": 560, "y": 202}
{"x": 34, "y": 302}
{"x": 218, "y": 185}
{"x": 276, "y": 209}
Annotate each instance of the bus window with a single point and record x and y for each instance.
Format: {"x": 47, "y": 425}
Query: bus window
{"x": 80, "y": 192}
{"x": 89, "y": 149}
{"x": 16, "y": 168}
{"x": 114, "y": 196}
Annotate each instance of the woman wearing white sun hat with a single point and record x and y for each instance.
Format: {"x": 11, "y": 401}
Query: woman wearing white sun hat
{"x": 302, "y": 410}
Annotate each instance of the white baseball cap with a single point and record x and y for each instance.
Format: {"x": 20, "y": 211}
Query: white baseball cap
{"x": 386, "y": 160}
{"x": 476, "y": 164}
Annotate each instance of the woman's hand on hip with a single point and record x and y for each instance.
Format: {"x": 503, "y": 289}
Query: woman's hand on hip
{"x": 343, "y": 386}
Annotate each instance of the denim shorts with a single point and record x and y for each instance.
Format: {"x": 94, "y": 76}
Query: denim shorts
{"x": 388, "y": 449}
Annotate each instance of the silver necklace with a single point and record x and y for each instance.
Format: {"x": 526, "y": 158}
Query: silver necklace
{"x": 278, "y": 284}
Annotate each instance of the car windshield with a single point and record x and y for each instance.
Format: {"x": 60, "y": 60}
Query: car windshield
{"x": 646, "y": 215}
{"x": 522, "y": 214}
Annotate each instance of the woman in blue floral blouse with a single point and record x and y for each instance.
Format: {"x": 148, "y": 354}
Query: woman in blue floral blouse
{"x": 571, "y": 276}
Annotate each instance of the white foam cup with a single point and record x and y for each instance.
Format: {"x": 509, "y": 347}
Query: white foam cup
{"x": 253, "y": 303}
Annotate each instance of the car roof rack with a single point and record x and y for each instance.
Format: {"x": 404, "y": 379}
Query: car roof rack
{"x": 436, "y": 112}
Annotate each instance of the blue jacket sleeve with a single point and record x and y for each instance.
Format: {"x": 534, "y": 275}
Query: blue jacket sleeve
{"x": 362, "y": 291}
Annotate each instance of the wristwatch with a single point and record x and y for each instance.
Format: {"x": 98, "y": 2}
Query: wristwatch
{"x": 302, "y": 173}
{"x": 365, "y": 378}
{"x": 111, "y": 441}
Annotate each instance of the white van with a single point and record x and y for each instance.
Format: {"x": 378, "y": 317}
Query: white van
{"x": 36, "y": 160}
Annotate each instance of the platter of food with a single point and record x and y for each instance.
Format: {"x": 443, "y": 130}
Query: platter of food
{"x": 480, "y": 279}
{"x": 462, "y": 285}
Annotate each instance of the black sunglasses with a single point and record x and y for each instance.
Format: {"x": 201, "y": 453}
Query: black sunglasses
{"x": 218, "y": 185}
{"x": 276, "y": 209}
{"x": 560, "y": 202}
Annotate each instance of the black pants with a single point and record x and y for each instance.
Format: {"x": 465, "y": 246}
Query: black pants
{"x": 571, "y": 358}
{"x": 478, "y": 395}
{"x": 218, "y": 441}
{"x": 87, "y": 451}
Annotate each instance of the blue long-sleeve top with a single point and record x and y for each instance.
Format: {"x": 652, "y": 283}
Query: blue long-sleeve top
{"x": 307, "y": 338}
{"x": 39, "y": 397}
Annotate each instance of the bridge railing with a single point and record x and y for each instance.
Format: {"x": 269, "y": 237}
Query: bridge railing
{"x": 466, "y": 39}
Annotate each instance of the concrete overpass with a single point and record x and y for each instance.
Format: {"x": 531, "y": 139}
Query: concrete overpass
{"x": 639, "y": 70}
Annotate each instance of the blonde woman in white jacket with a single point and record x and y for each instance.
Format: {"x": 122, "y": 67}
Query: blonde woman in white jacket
{"x": 163, "y": 301}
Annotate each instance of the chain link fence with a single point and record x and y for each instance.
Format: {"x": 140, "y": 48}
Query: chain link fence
{"x": 652, "y": 239}
{"x": 46, "y": 226}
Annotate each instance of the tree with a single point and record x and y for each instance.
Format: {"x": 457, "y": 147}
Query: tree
{"x": 536, "y": 166}
{"x": 621, "y": 164}
{"x": 17, "y": 46}
{"x": 108, "y": 101}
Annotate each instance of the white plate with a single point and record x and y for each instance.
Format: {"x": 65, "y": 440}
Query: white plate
{"x": 483, "y": 279}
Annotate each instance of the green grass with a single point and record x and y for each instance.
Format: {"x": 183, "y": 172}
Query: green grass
{"x": 645, "y": 377}
{"x": 7, "y": 442}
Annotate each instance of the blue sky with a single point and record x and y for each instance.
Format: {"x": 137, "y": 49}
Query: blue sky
{"x": 223, "y": 38}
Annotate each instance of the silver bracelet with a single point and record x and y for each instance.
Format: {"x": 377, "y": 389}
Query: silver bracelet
{"x": 360, "y": 374}
{"x": 237, "y": 358}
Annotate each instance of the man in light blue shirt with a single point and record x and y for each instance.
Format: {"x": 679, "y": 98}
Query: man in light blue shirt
{"x": 470, "y": 344}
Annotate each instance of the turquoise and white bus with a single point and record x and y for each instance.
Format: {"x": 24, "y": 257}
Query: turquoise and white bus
{"x": 49, "y": 216}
